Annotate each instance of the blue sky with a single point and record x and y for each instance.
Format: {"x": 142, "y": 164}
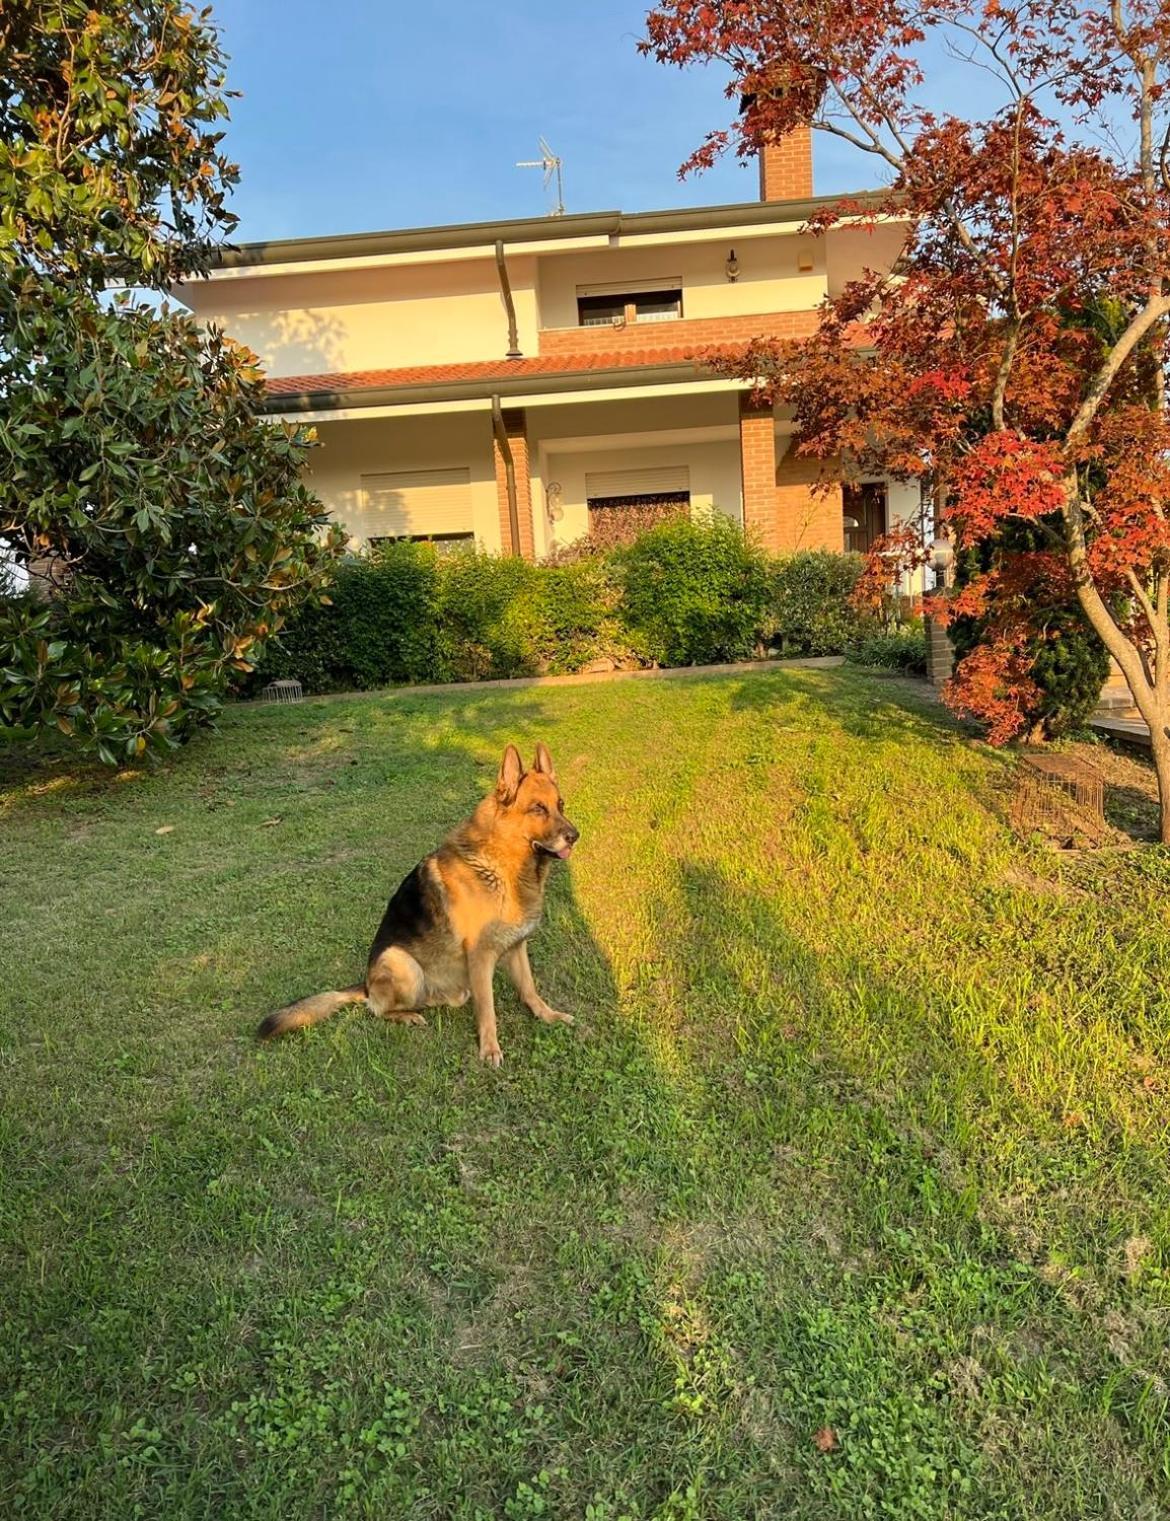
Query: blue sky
{"x": 358, "y": 115}
{"x": 364, "y": 114}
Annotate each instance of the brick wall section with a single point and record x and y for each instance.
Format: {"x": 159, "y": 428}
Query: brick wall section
{"x": 757, "y": 458}
{"x": 701, "y": 332}
{"x": 806, "y": 519}
{"x": 516, "y": 427}
{"x": 786, "y": 172}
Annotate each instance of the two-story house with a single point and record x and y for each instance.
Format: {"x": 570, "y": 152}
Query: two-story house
{"x": 508, "y": 382}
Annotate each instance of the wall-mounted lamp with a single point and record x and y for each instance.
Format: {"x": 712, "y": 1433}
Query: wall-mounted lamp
{"x": 731, "y": 268}
{"x": 804, "y": 260}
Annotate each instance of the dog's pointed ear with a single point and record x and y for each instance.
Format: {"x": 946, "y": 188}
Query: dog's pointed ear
{"x": 511, "y": 775}
{"x": 543, "y": 762}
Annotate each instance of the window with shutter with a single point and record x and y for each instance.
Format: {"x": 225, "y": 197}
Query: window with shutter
{"x": 418, "y": 504}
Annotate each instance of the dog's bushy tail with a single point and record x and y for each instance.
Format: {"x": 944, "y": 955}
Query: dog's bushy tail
{"x": 309, "y": 1011}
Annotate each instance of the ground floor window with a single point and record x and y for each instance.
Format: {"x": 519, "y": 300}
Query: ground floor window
{"x": 430, "y": 505}
{"x": 865, "y": 518}
{"x": 620, "y": 519}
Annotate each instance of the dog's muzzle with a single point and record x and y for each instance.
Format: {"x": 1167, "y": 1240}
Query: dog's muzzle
{"x": 569, "y": 838}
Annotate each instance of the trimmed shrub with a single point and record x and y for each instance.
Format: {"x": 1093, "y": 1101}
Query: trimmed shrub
{"x": 1069, "y": 665}
{"x": 405, "y": 613}
{"x": 900, "y": 649}
{"x": 810, "y": 602}
{"x": 695, "y": 591}
{"x": 573, "y": 617}
{"x": 480, "y": 629}
{"x": 380, "y": 628}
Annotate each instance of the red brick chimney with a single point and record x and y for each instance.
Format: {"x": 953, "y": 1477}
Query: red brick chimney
{"x": 786, "y": 170}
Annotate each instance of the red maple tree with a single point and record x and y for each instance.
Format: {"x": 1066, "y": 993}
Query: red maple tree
{"x": 1015, "y": 357}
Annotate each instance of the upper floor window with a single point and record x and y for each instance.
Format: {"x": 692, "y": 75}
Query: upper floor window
{"x": 605, "y": 308}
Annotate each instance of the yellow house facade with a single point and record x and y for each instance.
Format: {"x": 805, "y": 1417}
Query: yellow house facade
{"x": 514, "y": 383}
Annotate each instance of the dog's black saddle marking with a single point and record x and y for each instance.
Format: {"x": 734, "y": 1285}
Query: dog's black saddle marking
{"x": 412, "y": 912}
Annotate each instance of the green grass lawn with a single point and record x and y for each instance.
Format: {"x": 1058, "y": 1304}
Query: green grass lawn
{"x": 859, "y": 1144}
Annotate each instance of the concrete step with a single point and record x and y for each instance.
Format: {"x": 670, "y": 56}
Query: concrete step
{"x": 1133, "y": 731}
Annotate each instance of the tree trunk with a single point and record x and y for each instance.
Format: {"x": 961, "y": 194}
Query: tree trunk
{"x": 1152, "y": 711}
{"x": 1150, "y": 700}
{"x": 1160, "y": 747}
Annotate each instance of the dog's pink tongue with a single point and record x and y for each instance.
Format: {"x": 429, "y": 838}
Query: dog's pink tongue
{"x": 565, "y": 852}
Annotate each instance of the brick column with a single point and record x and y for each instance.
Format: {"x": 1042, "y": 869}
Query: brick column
{"x": 940, "y": 656}
{"x": 757, "y": 458}
{"x": 516, "y": 427}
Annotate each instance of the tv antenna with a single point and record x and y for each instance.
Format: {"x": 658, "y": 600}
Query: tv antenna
{"x": 551, "y": 164}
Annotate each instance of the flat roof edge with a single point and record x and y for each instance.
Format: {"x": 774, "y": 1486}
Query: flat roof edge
{"x": 357, "y": 245}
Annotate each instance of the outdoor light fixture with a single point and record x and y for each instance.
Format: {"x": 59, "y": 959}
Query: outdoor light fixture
{"x": 804, "y": 260}
{"x": 942, "y": 554}
{"x": 731, "y": 268}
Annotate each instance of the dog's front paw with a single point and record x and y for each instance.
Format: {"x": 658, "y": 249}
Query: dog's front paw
{"x": 490, "y": 1053}
{"x": 555, "y": 1017}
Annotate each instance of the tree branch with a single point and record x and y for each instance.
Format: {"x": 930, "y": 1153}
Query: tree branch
{"x": 1154, "y": 310}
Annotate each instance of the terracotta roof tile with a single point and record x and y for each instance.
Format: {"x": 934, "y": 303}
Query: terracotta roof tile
{"x": 489, "y": 369}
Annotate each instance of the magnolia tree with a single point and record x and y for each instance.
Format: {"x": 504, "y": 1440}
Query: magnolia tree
{"x": 140, "y": 487}
{"x": 1015, "y": 356}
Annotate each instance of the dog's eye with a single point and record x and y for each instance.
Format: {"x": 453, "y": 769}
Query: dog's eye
{"x": 540, "y": 809}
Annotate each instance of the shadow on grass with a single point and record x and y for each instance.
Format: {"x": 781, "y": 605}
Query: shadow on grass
{"x": 861, "y": 1098}
{"x": 1132, "y": 811}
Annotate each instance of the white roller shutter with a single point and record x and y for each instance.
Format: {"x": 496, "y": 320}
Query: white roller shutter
{"x": 629, "y": 287}
{"x": 416, "y": 502}
{"x": 664, "y": 480}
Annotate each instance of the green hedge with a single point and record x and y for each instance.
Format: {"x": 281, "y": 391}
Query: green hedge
{"x": 687, "y": 592}
{"x": 900, "y": 649}
{"x": 695, "y": 592}
{"x": 810, "y": 602}
{"x": 381, "y": 627}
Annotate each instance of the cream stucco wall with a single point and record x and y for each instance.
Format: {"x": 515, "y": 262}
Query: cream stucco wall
{"x": 638, "y": 412}
{"x": 851, "y": 250}
{"x": 370, "y": 319}
{"x": 904, "y": 505}
{"x": 565, "y": 444}
{"x": 349, "y": 450}
{"x": 567, "y": 441}
{"x": 770, "y": 279}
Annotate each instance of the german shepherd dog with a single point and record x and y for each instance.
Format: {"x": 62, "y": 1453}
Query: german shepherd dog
{"x": 466, "y": 907}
